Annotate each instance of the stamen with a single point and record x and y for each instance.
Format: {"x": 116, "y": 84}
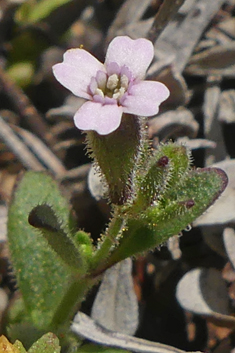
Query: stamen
{"x": 119, "y": 93}
{"x": 99, "y": 92}
{"x": 93, "y": 85}
{"x": 124, "y": 81}
{"x": 116, "y": 95}
{"x": 101, "y": 78}
{"x": 112, "y": 81}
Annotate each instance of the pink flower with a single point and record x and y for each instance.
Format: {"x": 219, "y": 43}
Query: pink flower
{"x": 114, "y": 87}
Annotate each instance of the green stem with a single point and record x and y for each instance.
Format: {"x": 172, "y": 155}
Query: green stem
{"x": 71, "y": 301}
{"x": 111, "y": 237}
{"x": 79, "y": 287}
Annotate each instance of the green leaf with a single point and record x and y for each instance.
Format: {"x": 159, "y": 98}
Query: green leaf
{"x": 18, "y": 345}
{"x": 184, "y": 203}
{"x": 42, "y": 276}
{"x": 20, "y": 326}
{"x": 33, "y": 11}
{"x": 45, "y": 219}
{"x": 7, "y": 347}
{"x": 21, "y": 72}
{"x": 48, "y": 343}
{"x": 167, "y": 167}
{"x": 26, "y": 47}
{"x": 24, "y": 332}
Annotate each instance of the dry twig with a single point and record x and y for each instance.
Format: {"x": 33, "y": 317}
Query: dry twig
{"x": 166, "y": 13}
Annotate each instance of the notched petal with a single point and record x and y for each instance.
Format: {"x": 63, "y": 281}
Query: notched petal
{"x": 145, "y": 97}
{"x": 135, "y": 54}
{"x": 103, "y": 119}
{"x": 77, "y": 70}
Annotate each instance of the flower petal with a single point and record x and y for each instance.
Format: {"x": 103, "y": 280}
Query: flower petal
{"x": 145, "y": 97}
{"x": 104, "y": 119}
{"x": 135, "y": 54}
{"x": 76, "y": 71}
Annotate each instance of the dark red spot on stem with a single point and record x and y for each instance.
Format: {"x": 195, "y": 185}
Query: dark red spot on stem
{"x": 189, "y": 203}
{"x": 163, "y": 161}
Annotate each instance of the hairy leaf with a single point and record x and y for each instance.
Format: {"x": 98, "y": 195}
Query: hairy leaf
{"x": 44, "y": 218}
{"x": 40, "y": 272}
{"x": 48, "y": 343}
{"x": 185, "y": 202}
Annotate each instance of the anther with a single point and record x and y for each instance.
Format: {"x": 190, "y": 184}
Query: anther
{"x": 124, "y": 81}
{"x": 112, "y": 81}
{"x": 99, "y": 92}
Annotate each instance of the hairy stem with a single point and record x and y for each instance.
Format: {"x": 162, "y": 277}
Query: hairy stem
{"x": 77, "y": 290}
{"x": 113, "y": 232}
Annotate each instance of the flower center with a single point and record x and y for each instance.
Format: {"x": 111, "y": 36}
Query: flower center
{"x": 116, "y": 86}
{"x": 110, "y": 88}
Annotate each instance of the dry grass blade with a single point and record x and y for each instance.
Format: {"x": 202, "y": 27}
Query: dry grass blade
{"x": 30, "y": 150}
{"x": 86, "y": 327}
{"x": 116, "y": 306}
{"x": 166, "y": 13}
{"x": 227, "y": 106}
{"x": 218, "y": 60}
{"x": 212, "y": 127}
{"x": 173, "y": 124}
{"x": 131, "y": 11}
{"x": 18, "y": 147}
{"x": 42, "y": 152}
{"x": 179, "y": 38}
{"x": 25, "y": 108}
{"x": 78, "y": 174}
